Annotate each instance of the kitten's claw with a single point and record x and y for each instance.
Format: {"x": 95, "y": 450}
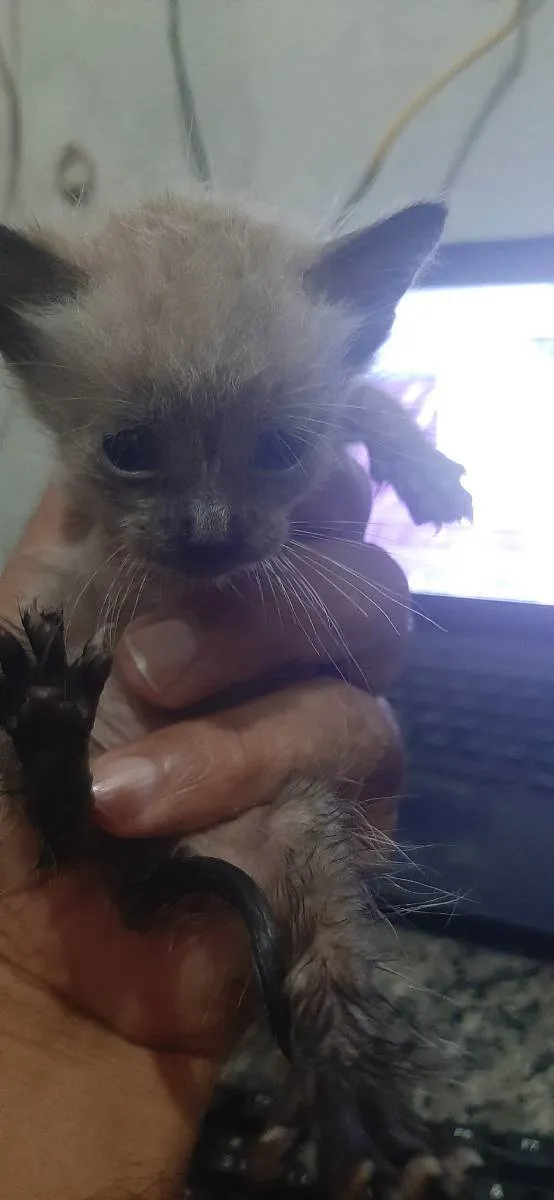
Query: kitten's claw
{"x": 45, "y": 634}
{"x": 48, "y": 706}
{"x": 349, "y": 1159}
{"x": 431, "y": 489}
{"x": 360, "y": 1185}
{"x": 39, "y": 688}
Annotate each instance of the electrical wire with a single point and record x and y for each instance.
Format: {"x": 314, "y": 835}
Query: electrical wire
{"x": 15, "y": 132}
{"x": 421, "y": 102}
{"x": 192, "y": 128}
{"x": 500, "y": 89}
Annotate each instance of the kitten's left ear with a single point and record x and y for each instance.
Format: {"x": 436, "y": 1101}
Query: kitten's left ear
{"x": 370, "y": 270}
{"x": 31, "y": 275}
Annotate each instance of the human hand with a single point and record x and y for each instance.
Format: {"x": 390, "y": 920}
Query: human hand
{"x": 194, "y": 773}
{"x": 187, "y": 775}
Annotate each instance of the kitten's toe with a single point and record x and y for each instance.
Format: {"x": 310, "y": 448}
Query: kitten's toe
{"x": 14, "y": 670}
{"x": 93, "y": 666}
{"x": 360, "y": 1186}
{"x": 432, "y": 490}
{"x": 269, "y": 1155}
{"x": 427, "y": 1177}
{"x": 48, "y": 706}
{"x": 424, "y": 1177}
{"x": 44, "y": 630}
{"x": 41, "y": 692}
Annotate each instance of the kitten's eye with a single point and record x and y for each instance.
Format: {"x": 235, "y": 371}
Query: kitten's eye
{"x": 132, "y": 451}
{"x": 279, "y": 452}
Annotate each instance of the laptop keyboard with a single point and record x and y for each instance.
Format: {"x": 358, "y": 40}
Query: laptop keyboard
{"x": 514, "y": 1166}
{"x": 467, "y": 726}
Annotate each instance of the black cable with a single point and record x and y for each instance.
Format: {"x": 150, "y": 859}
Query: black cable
{"x": 499, "y": 90}
{"x": 15, "y": 132}
{"x": 192, "y": 129}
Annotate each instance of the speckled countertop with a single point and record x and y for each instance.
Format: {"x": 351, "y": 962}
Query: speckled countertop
{"x": 487, "y": 1020}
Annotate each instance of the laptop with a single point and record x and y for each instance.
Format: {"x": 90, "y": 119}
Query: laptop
{"x": 472, "y": 356}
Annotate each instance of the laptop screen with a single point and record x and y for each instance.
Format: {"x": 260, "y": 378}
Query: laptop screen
{"x": 476, "y": 367}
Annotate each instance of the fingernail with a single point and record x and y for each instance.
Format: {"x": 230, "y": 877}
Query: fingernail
{"x": 124, "y": 787}
{"x": 162, "y": 651}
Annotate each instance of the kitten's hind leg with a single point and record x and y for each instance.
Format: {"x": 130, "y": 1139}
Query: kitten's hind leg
{"x": 348, "y": 1071}
{"x": 47, "y": 707}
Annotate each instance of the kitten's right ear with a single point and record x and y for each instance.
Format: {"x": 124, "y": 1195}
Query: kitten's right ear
{"x": 369, "y": 271}
{"x": 31, "y": 275}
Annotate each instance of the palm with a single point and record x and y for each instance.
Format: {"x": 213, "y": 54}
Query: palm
{"x": 172, "y": 987}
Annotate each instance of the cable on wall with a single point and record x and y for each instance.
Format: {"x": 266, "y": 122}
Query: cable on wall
{"x": 508, "y": 76}
{"x": 189, "y": 115}
{"x": 15, "y": 132}
{"x": 522, "y": 11}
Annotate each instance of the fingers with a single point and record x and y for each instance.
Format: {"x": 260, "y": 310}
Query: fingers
{"x": 330, "y": 603}
{"x": 194, "y": 774}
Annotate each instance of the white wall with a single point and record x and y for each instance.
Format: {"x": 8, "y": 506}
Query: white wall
{"x": 305, "y": 89}
{"x": 293, "y": 96}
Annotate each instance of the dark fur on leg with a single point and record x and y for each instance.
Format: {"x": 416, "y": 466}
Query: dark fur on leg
{"x": 323, "y": 1007}
{"x": 347, "y": 1095}
{"x": 427, "y": 482}
{"x": 48, "y": 711}
{"x": 48, "y": 706}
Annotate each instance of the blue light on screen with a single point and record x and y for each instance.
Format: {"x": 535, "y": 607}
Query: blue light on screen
{"x": 476, "y": 365}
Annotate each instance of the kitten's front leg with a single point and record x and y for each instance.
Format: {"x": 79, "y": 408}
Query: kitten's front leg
{"x": 47, "y": 707}
{"x": 426, "y": 481}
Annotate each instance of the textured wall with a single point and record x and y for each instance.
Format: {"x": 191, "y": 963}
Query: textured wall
{"x": 293, "y": 96}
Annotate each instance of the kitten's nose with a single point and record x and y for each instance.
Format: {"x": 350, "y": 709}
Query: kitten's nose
{"x": 208, "y": 523}
{"x": 210, "y": 541}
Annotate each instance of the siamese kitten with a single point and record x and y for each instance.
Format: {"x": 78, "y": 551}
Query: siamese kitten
{"x": 199, "y": 371}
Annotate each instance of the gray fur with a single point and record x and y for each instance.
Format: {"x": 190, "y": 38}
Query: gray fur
{"x": 216, "y": 330}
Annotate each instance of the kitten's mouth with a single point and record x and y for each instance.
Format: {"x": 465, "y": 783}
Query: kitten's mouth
{"x": 204, "y": 562}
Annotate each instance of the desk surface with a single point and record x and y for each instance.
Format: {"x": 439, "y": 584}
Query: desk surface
{"x": 484, "y": 1023}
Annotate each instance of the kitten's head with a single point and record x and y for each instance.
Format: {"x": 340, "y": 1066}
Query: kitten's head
{"x": 194, "y": 366}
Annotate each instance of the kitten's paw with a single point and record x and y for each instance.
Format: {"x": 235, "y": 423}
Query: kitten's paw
{"x": 41, "y": 693}
{"x": 48, "y": 706}
{"x": 431, "y": 489}
{"x": 426, "y": 1176}
{"x": 333, "y": 1149}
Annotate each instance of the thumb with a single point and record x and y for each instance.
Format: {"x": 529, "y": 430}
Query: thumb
{"x": 347, "y": 609}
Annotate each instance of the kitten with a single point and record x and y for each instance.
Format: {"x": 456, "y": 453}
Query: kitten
{"x": 199, "y": 371}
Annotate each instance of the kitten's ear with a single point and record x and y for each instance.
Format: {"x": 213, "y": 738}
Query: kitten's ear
{"x": 370, "y": 270}
{"x": 31, "y": 275}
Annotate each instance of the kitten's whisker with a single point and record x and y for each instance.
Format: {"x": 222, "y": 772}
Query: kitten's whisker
{"x": 349, "y": 574}
{"x": 88, "y": 583}
{"x": 328, "y": 620}
{"x": 310, "y": 527}
{"x": 147, "y": 574}
{"x": 108, "y": 609}
{"x": 287, "y": 587}
{"x": 329, "y": 576}
{"x": 270, "y": 570}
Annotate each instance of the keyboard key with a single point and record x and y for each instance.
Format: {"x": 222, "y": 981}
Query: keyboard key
{"x": 488, "y": 1187}
{"x": 528, "y": 1158}
{"x": 258, "y": 1106}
